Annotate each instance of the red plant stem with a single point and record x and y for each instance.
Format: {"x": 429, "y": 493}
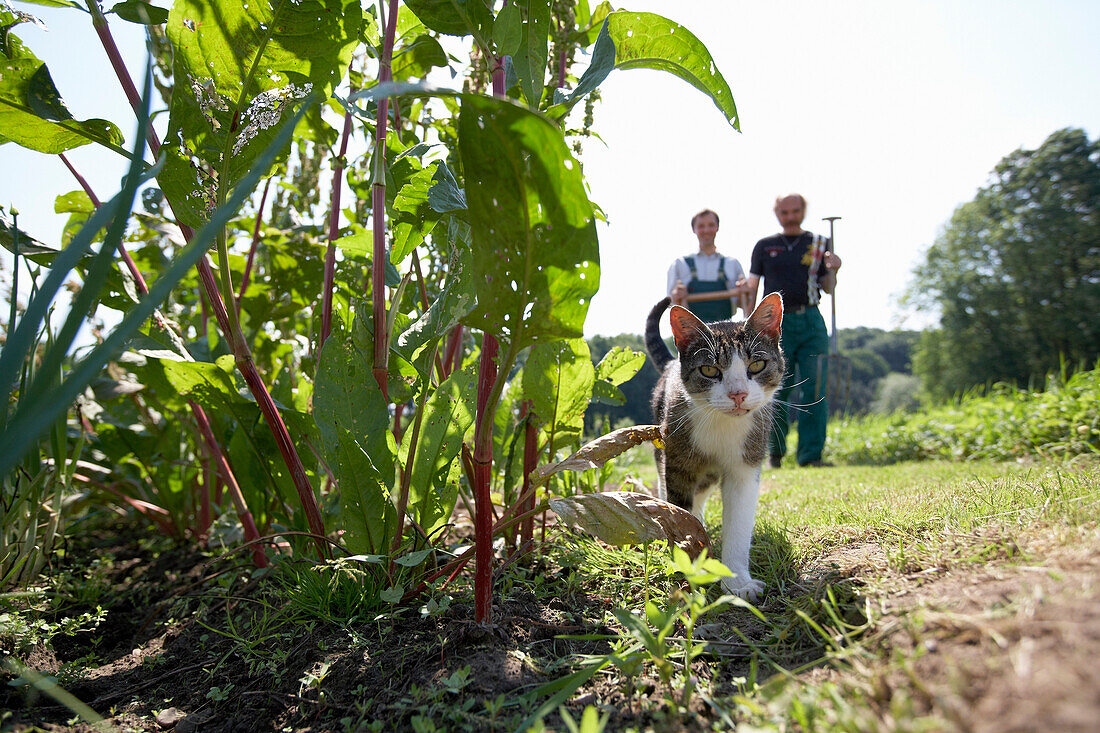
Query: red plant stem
{"x": 451, "y": 357}
{"x": 483, "y": 468}
{"x": 334, "y": 229}
{"x": 252, "y": 250}
{"x": 201, "y": 419}
{"x": 235, "y": 493}
{"x": 247, "y": 366}
{"x": 80, "y": 179}
{"x": 424, "y": 305}
{"x": 237, "y": 343}
{"x": 530, "y": 460}
{"x": 459, "y": 562}
{"x": 483, "y": 453}
{"x": 99, "y": 22}
{"x": 378, "y": 210}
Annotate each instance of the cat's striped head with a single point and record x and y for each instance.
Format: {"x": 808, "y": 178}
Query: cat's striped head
{"x": 731, "y": 367}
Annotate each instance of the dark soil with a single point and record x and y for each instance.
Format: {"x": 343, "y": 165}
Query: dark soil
{"x": 192, "y": 642}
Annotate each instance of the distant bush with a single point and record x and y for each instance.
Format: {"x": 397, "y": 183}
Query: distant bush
{"x": 896, "y": 392}
{"x": 1005, "y": 423}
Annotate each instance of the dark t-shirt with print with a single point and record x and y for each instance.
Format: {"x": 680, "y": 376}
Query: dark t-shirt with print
{"x": 790, "y": 266}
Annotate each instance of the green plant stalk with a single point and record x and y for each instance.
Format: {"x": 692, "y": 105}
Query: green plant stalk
{"x": 13, "y": 311}
{"x": 530, "y": 463}
{"x": 241, "y": 352}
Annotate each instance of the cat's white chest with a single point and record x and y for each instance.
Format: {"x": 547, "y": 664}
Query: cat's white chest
{"x": 722, "y": 438}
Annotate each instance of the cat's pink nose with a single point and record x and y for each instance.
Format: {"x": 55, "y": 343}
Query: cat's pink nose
{"x": 738, "y": 397}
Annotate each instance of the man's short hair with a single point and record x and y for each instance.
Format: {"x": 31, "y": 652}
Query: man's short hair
{"x": 704, "y": 212}
{"x": 782, "y": 196}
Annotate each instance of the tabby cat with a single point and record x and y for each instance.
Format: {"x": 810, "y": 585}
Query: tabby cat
{"x": 714, "y": 405}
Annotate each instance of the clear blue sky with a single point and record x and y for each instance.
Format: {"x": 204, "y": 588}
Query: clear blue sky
{"x": 886, "y": 114}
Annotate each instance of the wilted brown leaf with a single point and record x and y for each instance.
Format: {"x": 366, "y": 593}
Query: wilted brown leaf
{"x": 628, "y": 518}
{"x": 600, "y": 451}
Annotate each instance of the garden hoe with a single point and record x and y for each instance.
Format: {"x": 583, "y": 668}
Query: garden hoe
{"x": 837, "y": 368}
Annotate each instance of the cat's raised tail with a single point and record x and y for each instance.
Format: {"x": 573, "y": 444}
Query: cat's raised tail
{"x": 654, "y": 344}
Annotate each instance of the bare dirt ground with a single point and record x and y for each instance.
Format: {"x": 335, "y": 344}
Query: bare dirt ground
{"x": 1009, "y": 642}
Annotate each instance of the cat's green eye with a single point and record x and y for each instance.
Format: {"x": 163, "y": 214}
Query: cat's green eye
{"x": 757, "y": 366}
{"x": 709, "y": 370}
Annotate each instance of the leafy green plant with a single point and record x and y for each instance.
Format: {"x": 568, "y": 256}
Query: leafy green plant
{"x": 284, "y": 410}
{"x": 1003, "y": 423}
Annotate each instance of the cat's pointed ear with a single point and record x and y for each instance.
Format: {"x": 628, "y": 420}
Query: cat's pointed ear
{"x": 686, "y": 326}
{"x": 768, "y": 316}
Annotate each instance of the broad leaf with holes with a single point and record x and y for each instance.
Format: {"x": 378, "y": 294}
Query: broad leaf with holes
{"x": 649, "y": 41}
{"x": 239, "y": 68}
{"x": 535, "y": 263}
{"x": 346, "y": 399}
{"x": 32, "y": 113}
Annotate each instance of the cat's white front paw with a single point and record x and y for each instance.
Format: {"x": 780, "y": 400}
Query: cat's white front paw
{"x": 743, "y": 585}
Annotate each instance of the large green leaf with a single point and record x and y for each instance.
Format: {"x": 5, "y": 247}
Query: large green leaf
{"x": 454, "y": 301}
{"x": 530, "y": 62}
{"x": 448, "y": 415}
{"x": 558, "y": 378}
{"x": 535, "y": 260}
{"x": 454, "y": 17}
{"x": 649, "y": 41}
{"x": 367, "y": 515}
{"x": 32, "y": 113}
{"x": 413, "y": 218}
{"x": 346, "y": 398}
{"x": 617, "y": 366}
{"x": 418, "y": 57}
{"x": 239, "y": 67}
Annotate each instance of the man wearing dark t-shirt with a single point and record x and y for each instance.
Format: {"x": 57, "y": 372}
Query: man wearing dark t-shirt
{"x": 798, "y": 265}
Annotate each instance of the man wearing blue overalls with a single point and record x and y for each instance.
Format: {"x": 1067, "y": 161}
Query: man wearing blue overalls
{"x": 799, "y": 265}
{"x": 706, "y": 282}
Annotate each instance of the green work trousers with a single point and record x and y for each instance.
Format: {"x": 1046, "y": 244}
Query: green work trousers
{"x": 804, "y": 340}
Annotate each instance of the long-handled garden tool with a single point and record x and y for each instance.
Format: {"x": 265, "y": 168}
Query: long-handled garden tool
{"x": 836, "y": 368}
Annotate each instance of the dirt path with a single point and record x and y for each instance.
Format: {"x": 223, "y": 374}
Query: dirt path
{"x": 1009, "y": 644}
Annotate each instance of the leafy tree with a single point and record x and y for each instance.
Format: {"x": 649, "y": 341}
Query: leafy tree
{"x": 893, "y": 346}
{"x": 867, "y": 369}
{"x": 1016, "y": 272}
